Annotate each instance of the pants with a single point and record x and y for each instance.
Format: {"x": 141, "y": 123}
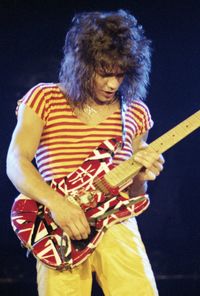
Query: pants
{"x": 119, "y": 261}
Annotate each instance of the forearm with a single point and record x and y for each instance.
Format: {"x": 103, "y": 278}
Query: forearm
{"x": 28, "y": 181}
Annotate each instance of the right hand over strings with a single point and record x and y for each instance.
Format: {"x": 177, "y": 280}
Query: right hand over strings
{"x": 70, "y": 218}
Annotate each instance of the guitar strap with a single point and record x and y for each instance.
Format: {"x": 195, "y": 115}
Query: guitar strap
{"x": 123, "y": 108}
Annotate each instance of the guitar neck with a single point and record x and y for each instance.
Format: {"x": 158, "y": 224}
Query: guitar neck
{"x": 124, "y": 172}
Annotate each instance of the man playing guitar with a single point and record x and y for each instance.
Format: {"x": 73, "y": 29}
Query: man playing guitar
{"x": 106, "y": 66}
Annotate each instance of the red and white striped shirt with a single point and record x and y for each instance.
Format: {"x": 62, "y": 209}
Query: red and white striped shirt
{"x": 66, "y": 141}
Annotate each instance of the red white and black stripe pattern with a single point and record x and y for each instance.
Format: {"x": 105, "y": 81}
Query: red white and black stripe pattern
{"x": 33, "y": 224}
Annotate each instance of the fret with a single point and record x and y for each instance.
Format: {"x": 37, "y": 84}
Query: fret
{"x": 129, "y": 168}
{"x": 122, "y": 173}
{"x": 176, "y": 134}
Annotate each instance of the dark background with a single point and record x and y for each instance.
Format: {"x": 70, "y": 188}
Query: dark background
{"x": 31, "y": 41}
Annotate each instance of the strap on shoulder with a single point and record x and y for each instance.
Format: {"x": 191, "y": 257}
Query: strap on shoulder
{"x": 123, "y": 116}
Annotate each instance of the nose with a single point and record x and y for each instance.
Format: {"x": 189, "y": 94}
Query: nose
{"x": 113, "y": 83}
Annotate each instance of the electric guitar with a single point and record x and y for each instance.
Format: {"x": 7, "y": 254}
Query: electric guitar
{"x": 97, "y": 186}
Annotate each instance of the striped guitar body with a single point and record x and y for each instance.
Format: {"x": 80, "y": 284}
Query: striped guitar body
{"x": 86, "y": 187}
{"x": 97, "y": 187}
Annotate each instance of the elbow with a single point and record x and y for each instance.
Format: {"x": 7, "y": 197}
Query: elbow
{"x": 9, "y": 166}
{"x": 13, "y": 161}
{"x": 13, "y": 170}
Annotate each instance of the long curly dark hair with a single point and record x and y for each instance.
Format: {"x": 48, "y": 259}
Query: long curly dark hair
{"x": 103, "y": 41}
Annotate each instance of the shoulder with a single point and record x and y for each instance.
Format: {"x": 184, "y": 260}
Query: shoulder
{"x": 139, "y": 106}
{"x": 139, "y": 112}
{"x": 40, "y": 97}
{"x": 40, "y": 90}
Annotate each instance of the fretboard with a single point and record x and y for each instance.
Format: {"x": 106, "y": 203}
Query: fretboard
{"x": 124, "y": 172}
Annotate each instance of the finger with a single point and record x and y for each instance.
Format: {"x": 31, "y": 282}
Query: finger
{"x": 85, "y": 224}
{"x": 156, "y": 168}
{"x": 79, "y": 231}
{"x": 81, "y": 215}
{"x": 142, "y": 153}
{"x": 75, "y": 232}
{"x": 154, "y": 171}
{"x": 161, "y": 159}
{"x": 84, "y": 231}
{"x": 146, "y": 161}
{"x": 149, "y": 159}
{"x": 150, "y": 175}
{"x": 68, "y": 231}
{"x": 147, "y": 175}
{"x": 72, "y": 231}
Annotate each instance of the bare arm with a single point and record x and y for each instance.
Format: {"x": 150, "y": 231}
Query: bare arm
{"x": 28, "y": 181}
{"x": 152, "y": 163}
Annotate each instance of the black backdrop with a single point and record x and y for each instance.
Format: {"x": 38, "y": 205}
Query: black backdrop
{"x": 32, "y": 36}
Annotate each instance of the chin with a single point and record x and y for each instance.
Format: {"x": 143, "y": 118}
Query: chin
{"x": 103, "y": 100}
